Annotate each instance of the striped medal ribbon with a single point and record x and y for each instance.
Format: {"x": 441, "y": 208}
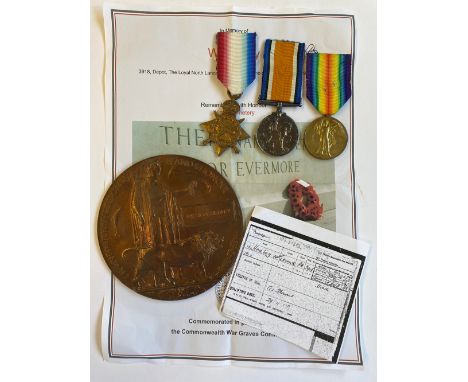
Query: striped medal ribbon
{"x": 236, "y": 69}
{"x": 328, "y": 87}
{"x": 281, "y": 86}
{"x": 282, "y": 73}
{"x": 328, "y": 81}
{"x": 236, "y": 60}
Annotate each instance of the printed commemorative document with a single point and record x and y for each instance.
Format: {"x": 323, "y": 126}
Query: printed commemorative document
{"x": 295, "y": 281}
{"x": 161, "y": 83}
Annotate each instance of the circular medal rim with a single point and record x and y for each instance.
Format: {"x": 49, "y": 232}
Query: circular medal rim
{"x": 202, "y": 287}
{"x": 307, "y": 131}
{"x": 267, "y": 152}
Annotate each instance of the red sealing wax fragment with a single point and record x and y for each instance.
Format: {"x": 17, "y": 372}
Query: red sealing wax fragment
{"x": 304, "y": 201}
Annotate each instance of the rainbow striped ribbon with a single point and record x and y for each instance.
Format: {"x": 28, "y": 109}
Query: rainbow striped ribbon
{"x": 236, "y": 60}
{"x": 328, "y": 79}
{"x": 282, "y": 72}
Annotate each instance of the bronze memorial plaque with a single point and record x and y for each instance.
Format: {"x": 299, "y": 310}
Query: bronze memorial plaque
{"x": 170, "y": 227}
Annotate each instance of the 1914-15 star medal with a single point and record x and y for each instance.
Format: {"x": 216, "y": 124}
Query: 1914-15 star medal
{"x": 236, "y": 70}
{"x": 225, "y": 130}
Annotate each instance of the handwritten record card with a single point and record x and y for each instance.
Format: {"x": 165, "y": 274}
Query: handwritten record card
{"x": 296, "y": 281}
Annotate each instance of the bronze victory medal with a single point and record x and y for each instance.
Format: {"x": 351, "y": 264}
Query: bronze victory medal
{"x": 170, "y": 227}
{"x": 325, "y": 138}
{"x": 277, "y": 134}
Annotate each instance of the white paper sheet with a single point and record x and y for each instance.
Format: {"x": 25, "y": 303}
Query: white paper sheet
{"x": 153, "y": 109}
